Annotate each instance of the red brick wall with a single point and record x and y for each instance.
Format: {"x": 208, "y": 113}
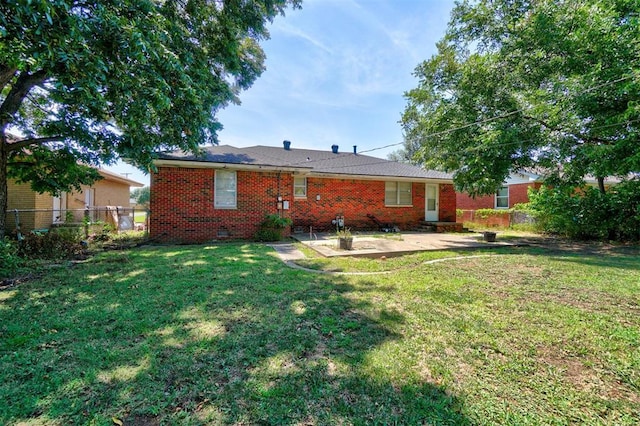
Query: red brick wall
{"x": 448, "y": 202}
{"x": 182, "y": 204}
{"x": 519, "y": 193}
{"x": 466, "y": 202}
{"x": 354, "y": 199}
{"x": 182, "y": 210}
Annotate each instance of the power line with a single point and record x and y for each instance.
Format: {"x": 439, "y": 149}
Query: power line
{"x": 508, "y": 114}
{"x": 476, "y": 123}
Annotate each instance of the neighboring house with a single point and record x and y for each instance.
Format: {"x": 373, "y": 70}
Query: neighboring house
{"x": 515, "y": 191}
{"x": 227, "y": 192}
{"x": 40, "y": 211}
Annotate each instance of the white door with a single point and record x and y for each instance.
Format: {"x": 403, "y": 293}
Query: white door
{"x": 431, "y": 203}
{"x": 89, "y": 196}
{"x": 59, "y": 208}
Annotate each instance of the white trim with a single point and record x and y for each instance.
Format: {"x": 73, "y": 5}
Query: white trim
{"x": 298, "y": 186}
{"x": 207, "y": 165}
{"x": 436, "y": 212}
{"x": 215, "y": 191}
{"x": 496, "y": 196}
{"x": 397, "y": 194}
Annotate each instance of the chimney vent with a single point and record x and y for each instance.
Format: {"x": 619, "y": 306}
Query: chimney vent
{"x": 355, "y": 149}
{"x": 334, "y": 149}
{"x": 287, "y": 145}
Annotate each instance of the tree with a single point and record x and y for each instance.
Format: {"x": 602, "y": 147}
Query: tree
{"x": 83, "y": 83}
{"x": 141, "y": 195}
{"x": 521, "y": 84}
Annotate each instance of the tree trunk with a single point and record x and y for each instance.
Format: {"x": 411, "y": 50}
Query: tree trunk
{"x": 601, "y": 184}
{"x": 3, "y": 184}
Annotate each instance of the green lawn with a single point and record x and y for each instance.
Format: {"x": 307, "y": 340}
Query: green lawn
{"x": 229, "y": 335}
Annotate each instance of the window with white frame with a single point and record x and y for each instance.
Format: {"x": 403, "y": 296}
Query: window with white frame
{"x": 397, "y": 194}
{"x": 300, "y": 187}
{"x": 225, "y": 189}
{"x": 502, "y": 198}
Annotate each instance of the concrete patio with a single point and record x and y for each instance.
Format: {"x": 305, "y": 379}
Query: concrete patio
{"x": 376, "y": 245}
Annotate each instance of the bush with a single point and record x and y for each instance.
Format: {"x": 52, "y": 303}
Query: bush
{"x": 589, "y": 214}
{"x": 10, "y": 261}
{"x": 271, "y": 228}
{"x": 276, "y": 221}
{"x": 60, "y": 243}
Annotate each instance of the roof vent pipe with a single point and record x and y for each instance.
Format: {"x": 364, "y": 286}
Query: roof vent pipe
{"x": 287, "y": 145}
{"x": 334, "y": 149}
{"x": 355, "y": 149}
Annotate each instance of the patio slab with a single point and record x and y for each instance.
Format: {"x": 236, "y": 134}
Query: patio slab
{"x": 376, "y": 245}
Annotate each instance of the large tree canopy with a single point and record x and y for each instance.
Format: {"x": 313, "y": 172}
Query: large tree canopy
{"x": 83, "y": 82}
{"x": 521, "y": 83}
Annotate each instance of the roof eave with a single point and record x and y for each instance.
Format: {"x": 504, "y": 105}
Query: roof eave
{"x": 232, "y": 166}
{"x": 378, "y": 177}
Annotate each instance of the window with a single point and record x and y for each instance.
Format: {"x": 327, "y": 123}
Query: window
{"x": 300, "y": 187}
{"x": 397, "y": 194}
{"x": 225, "y": 190}
{"x": 502, "y": 198}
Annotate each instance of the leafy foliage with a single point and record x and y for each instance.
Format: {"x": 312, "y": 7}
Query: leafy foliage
{"x": 141, "y": 195}
{"x": 9, "y": 258}
{"x": 588, "y": 213}
{"x": 83, "y": 83}
{"x": 60, "y": 243}
{"x": 271, "y": 228}
{"x": 520, "y": 84}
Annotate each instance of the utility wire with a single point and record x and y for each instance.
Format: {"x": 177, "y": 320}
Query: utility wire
{"x": 476, "y": 123}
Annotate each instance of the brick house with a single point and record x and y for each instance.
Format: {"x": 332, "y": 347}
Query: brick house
{"x": 40, "y": 211}
{"x": 514, "y": 191}
{"x": 226, "y": 192}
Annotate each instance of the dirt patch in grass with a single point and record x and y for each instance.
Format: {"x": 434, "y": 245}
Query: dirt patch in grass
{"x": 584, "y": 378}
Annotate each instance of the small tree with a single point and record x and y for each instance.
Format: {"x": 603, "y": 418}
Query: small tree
{"x": 141, "y": 195}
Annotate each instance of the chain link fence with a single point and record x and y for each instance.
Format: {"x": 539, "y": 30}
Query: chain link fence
{"x": 497, "y": 218}
{"x": 91, "y": 220}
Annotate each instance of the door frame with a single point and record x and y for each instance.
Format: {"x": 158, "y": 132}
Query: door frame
{"x": 431, "y": 215}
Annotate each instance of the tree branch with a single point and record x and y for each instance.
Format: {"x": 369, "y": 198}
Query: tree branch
{"x": 18, "y": 92}
{"x": 581, "y": 136}
{"x": 6, "y": 74}
{"x": 32, "y": 141}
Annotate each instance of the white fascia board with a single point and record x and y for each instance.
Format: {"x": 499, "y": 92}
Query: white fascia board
{"x": 230, "y": 166}
{"x": 377, "y": 178}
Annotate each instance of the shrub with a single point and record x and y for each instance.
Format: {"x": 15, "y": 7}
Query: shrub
{"x": 271, "y": 228}
{"x": 276, "y": 221}
{"x": 9, "y": 259}
{"x": 589, "y": 214}
{"x": 60, "y": 243}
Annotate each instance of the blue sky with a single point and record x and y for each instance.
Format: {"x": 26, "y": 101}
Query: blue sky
{"x": 336, "y": 74}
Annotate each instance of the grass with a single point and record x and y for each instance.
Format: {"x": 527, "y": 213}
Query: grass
{"x": 314, "y": 261}
{"x": 228, "y": 335}
{"x": 140, "y": 216}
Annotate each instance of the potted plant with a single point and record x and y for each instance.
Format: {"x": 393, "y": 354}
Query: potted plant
{"x": 489, "y": 236}
{"x": 345, "y": 239}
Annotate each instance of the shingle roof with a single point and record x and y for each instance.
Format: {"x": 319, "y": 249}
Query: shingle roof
{"x": 317, "y": 162}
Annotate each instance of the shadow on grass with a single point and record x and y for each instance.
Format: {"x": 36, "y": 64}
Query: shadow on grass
{"x": 199, "y": 334}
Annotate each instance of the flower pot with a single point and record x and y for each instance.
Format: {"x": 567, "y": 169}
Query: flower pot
{"x": 345, "y": 243}
{"x": 489, "y": 236}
